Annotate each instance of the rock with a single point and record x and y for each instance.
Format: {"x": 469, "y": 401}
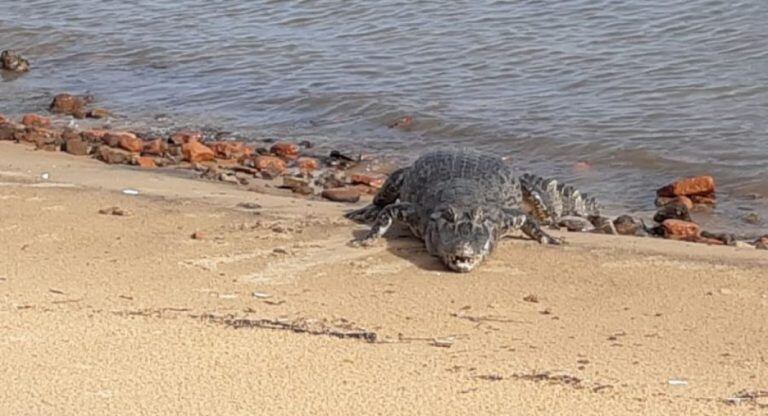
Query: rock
{"x": 34, "y": 120}
{"x": 375, "y": 180}
{"x": 156, "y": 147}
{"x": 94, "y": 135}
{"x": 706, "y": 199}
{"x": 307, "y": 164}
{"x": 699, "y": 185}
{"x": 97, "y": 113}
{"x": 363, "y": 189}
{"x": 673, "y": 211}
{"x": 762, "y": 243}
{"x": 703, "y": 240}
{"x": 724, "y": 238}
{"x": 11, "y": 131}
{"x": 185, "y": 136}
{"x": 269, "y": 164}
{"x": 626, "y": 225}
{"x": 603, "y": 225}
{"x": 198, "y": 235}
{"x": 682, "y": 200}
{"x": 306, "y": 144}
{"x": 114, "y": 155}
{"x": 249, "y": 205}
{"x": 12, "y": 61}
{"x": 342, "y": 194}
{"x": 228, "y": 177}
{"x": 335, "y": 154}
{"x": 130, "y": 142}
{"x": 195, "y": 152}
{"x": 575, "y": 224}
{"x": 230, "y": 149}
{"x": 44, "y": 139}
{"x": 678, "y": 228}
{"x": 285, "y": 150}
{"x": 531, "y": 298}
{"x": 145, "y": 162}
{"x": 3, "y": 119}
{"x": 68, "y": 104}
{"x": 752, "y": 218}
{"x": 113, "y": 211}
{"x": 293, "y": 183}
{"x": 78, "y": 147}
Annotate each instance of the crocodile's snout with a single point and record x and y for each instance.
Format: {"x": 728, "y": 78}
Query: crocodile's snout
{"x": 464, "y": 257}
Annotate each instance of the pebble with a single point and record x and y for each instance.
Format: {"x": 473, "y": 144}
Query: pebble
{"x": 113, "y": 211}
{"x": 198, "y": 235}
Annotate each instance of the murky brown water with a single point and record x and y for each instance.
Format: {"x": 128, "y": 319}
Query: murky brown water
{"x": 644, "y": 90}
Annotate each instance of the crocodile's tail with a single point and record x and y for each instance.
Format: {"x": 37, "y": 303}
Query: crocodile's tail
{"x": 549, "y": 200}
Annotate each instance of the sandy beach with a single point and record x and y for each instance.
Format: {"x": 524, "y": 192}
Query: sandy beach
{"x": 270, "y": 311}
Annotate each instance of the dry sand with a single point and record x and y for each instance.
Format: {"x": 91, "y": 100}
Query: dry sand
{"x": 103, "y": 314}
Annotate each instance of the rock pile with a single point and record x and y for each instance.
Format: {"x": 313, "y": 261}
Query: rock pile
{"x": 286, "y": 165}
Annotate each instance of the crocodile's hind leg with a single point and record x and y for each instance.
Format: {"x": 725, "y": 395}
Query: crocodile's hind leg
{"x": 401, "y": 212}
{"x": 515, "y": 219}
{"x": 387, "y": 195}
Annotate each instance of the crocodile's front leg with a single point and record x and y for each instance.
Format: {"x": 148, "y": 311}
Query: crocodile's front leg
{"x": 401, "y": 212}
{"x": 388, "y": 195}
{"x": 515, "y": 219}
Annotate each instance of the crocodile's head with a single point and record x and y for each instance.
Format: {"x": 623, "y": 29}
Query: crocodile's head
{"x": 461, "y": 238}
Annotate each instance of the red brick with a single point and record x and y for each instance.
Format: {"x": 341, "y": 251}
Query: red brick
{"x": 346, "y": 194}
{"x": 699, "y": 185}
{"x": 269, "y": 163}
{"x": 307, "y": 164}
{"x": 34, "y": 120}
{"x": 146, "y": 162}
{"x": 680, "y": 229}
{"x": 195, "y": 152}
{"x": 156, "y": 147}
{"x": 285, "y": 150}
{"x": 375, "y": 180}
{"x": 185, "y": 136}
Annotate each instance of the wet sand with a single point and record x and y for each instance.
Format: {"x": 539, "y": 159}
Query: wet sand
{"x": 105, "y": 314}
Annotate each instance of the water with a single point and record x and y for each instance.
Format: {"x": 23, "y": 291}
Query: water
{"x": 645, "y": 91}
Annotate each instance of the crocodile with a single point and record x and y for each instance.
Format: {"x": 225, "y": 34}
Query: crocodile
{"x": 461, "y": 202}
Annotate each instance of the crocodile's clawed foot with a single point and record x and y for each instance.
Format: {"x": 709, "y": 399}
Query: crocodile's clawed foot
{"x": 366, "y": 241}
{"x": 553, "y": 241}
{"x": 365, "y": 215}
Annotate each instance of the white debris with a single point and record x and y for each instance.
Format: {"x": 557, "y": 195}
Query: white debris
{"x": 677, "y": 382}
{"x": 129, "y": 191}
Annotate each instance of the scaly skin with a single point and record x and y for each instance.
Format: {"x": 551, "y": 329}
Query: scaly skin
{"x": 461, "y": 202}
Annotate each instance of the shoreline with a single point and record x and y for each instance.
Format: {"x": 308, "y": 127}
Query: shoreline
{"x": 130, "y": 313}
{"x": 276, "y": 165}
